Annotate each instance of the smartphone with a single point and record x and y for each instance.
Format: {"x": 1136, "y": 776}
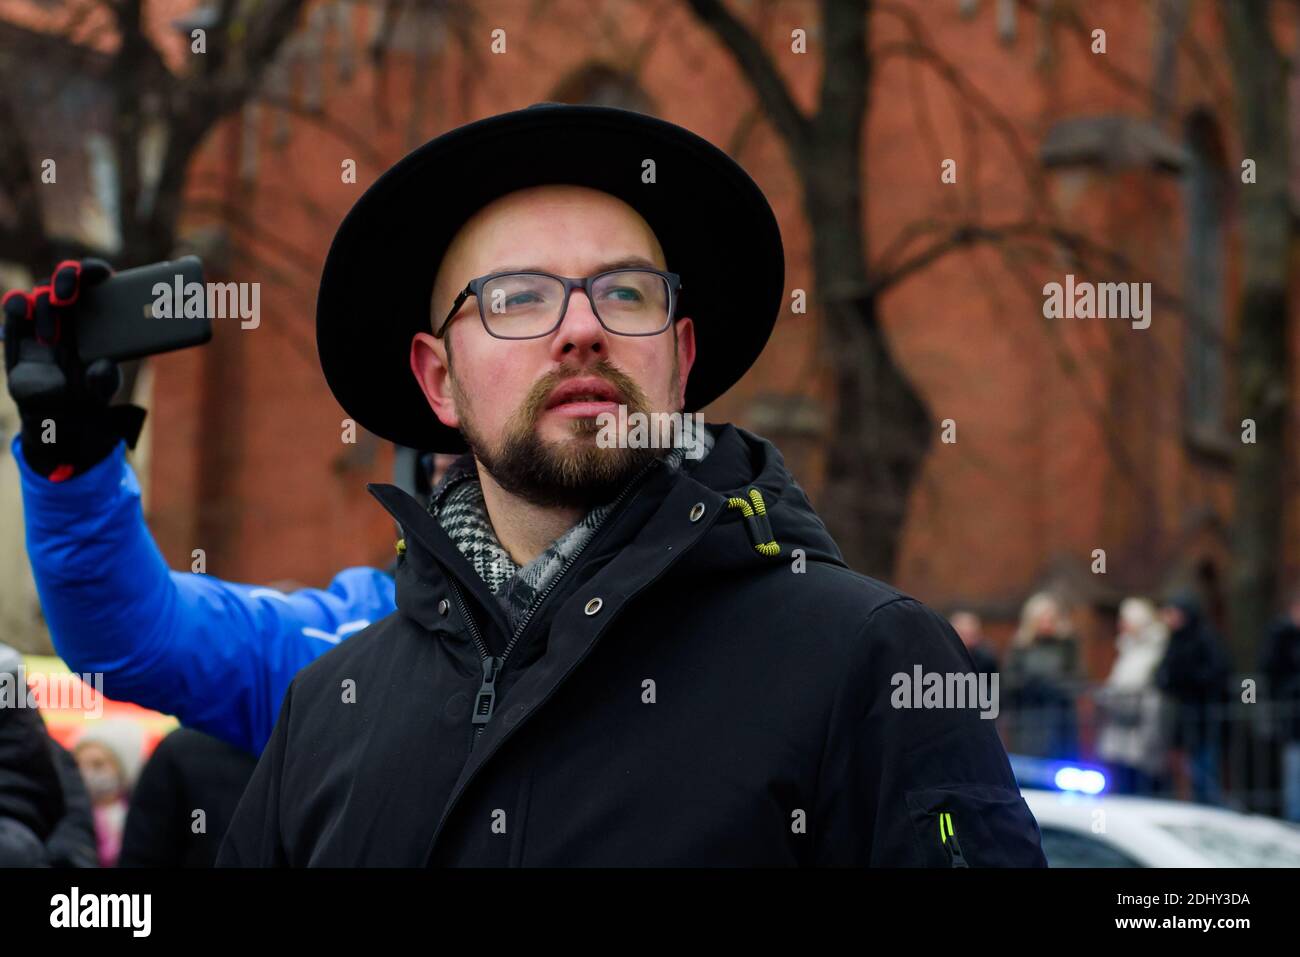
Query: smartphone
{"x": 142, "y": 312}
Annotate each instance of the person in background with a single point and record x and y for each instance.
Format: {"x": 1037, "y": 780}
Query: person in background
{"x": 970, "y": 630}
{"x": 1041, "y": 677}
{"x": 1279, "y": 660}
{"x": 31, "y": 800}
{"x": 108, "y": 754}
{"x": 184, "y": 800}
{"x": 44, "y": 811}
{"x": 218, "y": 655}
{"x": 1133, "y": 712}
{"x": 1194, "y": 673}
{"x": 72, "y": 843}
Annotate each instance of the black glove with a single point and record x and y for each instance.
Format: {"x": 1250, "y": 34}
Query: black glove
{"x": 67, "y": 424}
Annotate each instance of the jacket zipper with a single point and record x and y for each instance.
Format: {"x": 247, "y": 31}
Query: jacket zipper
{"x": 954, "y": 852}
{"x": 543, "y": 700}
{"x": 955, "y": 856}
{"x": 485, "y": 700}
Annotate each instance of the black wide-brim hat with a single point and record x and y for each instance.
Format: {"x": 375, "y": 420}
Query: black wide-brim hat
{"x": 714, "y": 224}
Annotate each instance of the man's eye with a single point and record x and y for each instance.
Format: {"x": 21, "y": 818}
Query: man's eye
{"x": 624, "y": 294}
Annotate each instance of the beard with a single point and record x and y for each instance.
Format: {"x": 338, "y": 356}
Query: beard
{"x": 573, "y": 473}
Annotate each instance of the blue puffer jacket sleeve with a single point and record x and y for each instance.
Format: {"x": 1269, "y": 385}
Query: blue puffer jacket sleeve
{"x": 219, "y": 656}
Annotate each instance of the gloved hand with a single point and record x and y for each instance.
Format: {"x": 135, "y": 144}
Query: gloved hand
{"x": 67, "y": 423}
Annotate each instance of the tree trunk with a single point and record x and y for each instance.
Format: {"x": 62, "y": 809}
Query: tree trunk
{"x": 1260, "y": 78}
{"x": 878, "y": 444}
{"x": 880, "y": 427}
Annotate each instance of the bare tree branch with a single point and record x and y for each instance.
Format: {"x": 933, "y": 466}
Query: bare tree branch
{"x": 965, "y": 235}
{"x": 921, "y": 47}
{"x": 759, "y": 69}
{"x": 355, "y": 140}
{"x": 20, "y": 186}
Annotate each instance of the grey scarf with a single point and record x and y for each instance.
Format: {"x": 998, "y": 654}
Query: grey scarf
{"x": 458, "y": 505}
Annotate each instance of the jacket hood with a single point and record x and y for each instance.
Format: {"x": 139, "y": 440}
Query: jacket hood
{"x": 1189, "y": 603}
{"x": 740, "y": 462}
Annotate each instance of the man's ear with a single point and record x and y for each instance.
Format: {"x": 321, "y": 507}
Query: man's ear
{"x": 685, "y": 330}
{"x": 429, "y": 366}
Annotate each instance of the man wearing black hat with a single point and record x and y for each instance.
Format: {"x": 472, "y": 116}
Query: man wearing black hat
{"x": 605, "y": 652}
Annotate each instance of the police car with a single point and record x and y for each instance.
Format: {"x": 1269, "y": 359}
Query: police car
{"x": 1082, "y": 826}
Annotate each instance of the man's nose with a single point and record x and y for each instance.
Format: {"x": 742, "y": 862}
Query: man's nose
{"x": 580, "y": 336}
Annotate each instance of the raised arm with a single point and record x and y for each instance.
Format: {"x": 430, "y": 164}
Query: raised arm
{"x": 217, "y": 655}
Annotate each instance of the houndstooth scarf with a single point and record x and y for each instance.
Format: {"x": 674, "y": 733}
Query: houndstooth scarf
{"x": 458, "y": 504}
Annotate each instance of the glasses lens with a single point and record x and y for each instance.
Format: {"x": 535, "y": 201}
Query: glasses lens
{"x": 521, "y": 305}
{"x": 632, "y": 301}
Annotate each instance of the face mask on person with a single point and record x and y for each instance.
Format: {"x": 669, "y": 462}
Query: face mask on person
{"x": 101, "y": 784}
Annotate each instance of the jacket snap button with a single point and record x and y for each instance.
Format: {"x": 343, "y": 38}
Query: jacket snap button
{"x": 593, "y": 606}
{"x": 457, "y": 708}
{"x": 697, "y": 511}
{"x": 443, "y": 606}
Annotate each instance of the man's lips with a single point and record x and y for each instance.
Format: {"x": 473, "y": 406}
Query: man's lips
{"x": 583, "y": 397}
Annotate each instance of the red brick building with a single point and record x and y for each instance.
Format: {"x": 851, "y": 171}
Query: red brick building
{"x": 1072, "y": 435}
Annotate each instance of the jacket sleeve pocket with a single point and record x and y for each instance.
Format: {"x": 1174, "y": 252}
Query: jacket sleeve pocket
{"x": 973, "y": 825}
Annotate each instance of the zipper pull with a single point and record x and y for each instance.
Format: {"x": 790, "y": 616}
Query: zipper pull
{"x": 949, "y": 838}
{"x": 487, "y": 691}
{"x": 958, "y": 860}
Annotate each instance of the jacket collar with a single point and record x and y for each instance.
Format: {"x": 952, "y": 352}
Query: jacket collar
{"x": 429, "y": 550}
{"x": 431, "y": 555}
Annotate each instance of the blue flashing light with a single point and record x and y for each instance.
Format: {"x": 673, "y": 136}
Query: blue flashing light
{"x": 1082, "y": 780}
{"x": 1058, "y": 775}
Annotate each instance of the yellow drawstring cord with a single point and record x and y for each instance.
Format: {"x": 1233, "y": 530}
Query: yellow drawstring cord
{"x": 758, "y": 512}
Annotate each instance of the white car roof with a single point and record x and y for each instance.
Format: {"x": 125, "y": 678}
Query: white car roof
{"x": 1146, "y": 828}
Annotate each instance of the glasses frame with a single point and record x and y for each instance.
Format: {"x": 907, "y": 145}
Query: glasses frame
{"x": 475, "y": 288}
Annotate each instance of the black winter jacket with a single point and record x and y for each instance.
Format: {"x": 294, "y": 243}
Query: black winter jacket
{"x": 45, "y": 814}
{"x": 187, "y": 770}
{"x": 1279, "y": 659}
{"x": 678, "y": 698}
{"x": 1194, "y": 672}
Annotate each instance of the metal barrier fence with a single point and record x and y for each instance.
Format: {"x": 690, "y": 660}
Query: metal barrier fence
{"x": 1233, "y": 752}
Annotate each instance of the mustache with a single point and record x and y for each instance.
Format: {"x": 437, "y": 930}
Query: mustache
{"x": 629, "y": 393}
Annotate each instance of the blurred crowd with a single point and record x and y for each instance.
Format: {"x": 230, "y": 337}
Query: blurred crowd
{"x": 1171, "y": 718}
{"x": 101, "y": 803}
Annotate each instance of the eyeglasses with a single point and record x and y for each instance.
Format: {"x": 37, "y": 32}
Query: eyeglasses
{"x": 529, "y": 305}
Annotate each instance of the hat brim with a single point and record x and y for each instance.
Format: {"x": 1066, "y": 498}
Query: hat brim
{"x": 715, "y": 226}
